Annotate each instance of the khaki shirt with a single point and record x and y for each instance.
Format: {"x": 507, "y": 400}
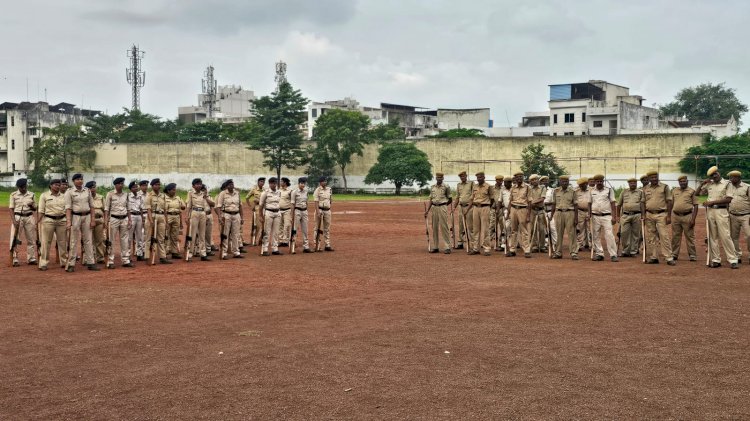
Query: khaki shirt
{"x": 505, "y": 195}
{"x": 536, "y": 193}
{"x": 52, "y": 204}
{"x": 323, "y": 196}
{"x": 564, "y": 199}
{"x": 683, "y": 199}
{"x": 520, "y": 196}
{"x": 440, "y": 195}
{"x": 299, "y": 198}
{"x": 740, "y": 203}
{"x": 228, "y": 201}
{"x": 463, "y": 192}
{"x": 497, "y": 189}
{"x": 601, "y": 200}
{"x": 656, "y": 197}
{"x": 716, "y": 191}
{"x": 116, "y": 204}
{"x": 482, "y": 194}
{"x": 154, "y": 202}
{"x": 78, "y": 200}
{"x": 583, "y": 198}
{"x": 135, "y": 202}
{"x": 98, "y": 207}
{"x": 270, "y": 199}
{"x": 174, "y": 205}
{"x": 22, "y": 202}
{"x": 630, "y": 200}
{"x": 197, "y": 200}
{"x": 254, "y": 194}
{"x": 286, "y": 198}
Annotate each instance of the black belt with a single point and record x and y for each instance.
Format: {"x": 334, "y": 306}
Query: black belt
{"x": 199, "y": 209}
{"x": 739, "y": 214}
{"x": 272, "y": 210}
{"x": 174, "y": 213}
{"x": 463, "y": 206}
{"x": 136, "y": 213}
{"x": 480, "y": 206}
{"x": 601, "y": 214}
{"x": 325, "y": 209}
{"x": 232, "y": 213}
{"x": 683, "y": 213}
{"x": 285, "y": 209}
{"x": 55, "y": 217}
{"x": 300, "y": 209}
{"x": 81, "y": 213}
{"x": 23, "y": 213}
{"x": 118, "y": 216}
{"x": 718, "y": 206}
{"x": 656, "y": 211}
{"x": 583, "y": 210}
{"x": 159, "y": 212}
{"x": 631, "y": 213}
{"x": 564, "y": 210}
{"x": 440, "y": 204}
{"x": 518, "y": 207}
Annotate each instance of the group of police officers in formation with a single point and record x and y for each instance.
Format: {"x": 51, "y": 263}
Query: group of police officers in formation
{"x": 528, "y": 213}
{"x": 146, "y": 222}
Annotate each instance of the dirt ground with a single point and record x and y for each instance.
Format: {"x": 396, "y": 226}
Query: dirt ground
{"x": 378, "y": 329}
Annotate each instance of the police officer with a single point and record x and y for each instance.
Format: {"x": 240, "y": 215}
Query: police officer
{"x": 198, "y": 203}
{"x": 718, "y": 218}
{"x": 739, "y": 211}
{"x": 78, "y": 206}
{"x": 538, "y": 228}
{"x": 252, "y": 200}
{"x": 520, "y": 217}
{"x": 684, "y": 212}
{"x": 118, "y": 223}
{"x": 440, "y": 198}
{"x": 155, "y": 205}
{"x": 52, "y": 214}
{"x": 136, "y": 207}
{"x": 583, "y": 202}
{"x": 98, "y": 234}
{"x": 629, "y": 210}
{"x": 565, "y": 213}
{"x": 300, "y": 219}
{"x": 269, "y": 205}
{"x": 22, "y": 209}
{"x": 323, "y": 197}
{"x": 173, "y": 207}
{"x": 285, "y": 212}
{"x": 462, "y": 199}
{"x": 656, "y": 211}
{"x": 229, "y": 204}
{"x": 603, "y": 215}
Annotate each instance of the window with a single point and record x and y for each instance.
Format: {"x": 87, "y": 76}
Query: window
{"x": 583, "y": 133}
{"x": 570, "y": 117}
{"x": 32, "y": 131}
{"x": 12, "y": 120}
{"x": 555, "y": 118}
{"x": 583, "y": 117}
{"x": 14, "y": 167}
{"x": 569, "y": 134}
{"x": 554, "y": 134}
{"x": 597, "y": 123}
{"x": 314, "y": 113}
{"x": 13, "y": 144}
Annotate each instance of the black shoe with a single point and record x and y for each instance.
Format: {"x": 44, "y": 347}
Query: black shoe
{"x": 70, "y": 270}
{"x": 714, "y": 265}
{"x": 93, "y": 267}
{"x": 328, "y": 248}
{"x": 265, "y": 253}
{"x": 434, "y": 250}
{"x": 176, "y": 256}
{"x": 652, "y": 262}
{"x": 447, "y": 251}
{"x": 598, "y": 258}
{"x": 283, "y": 244}
{"x": 242, "y": 250}
{"x": 238, "y": 256}
{"x": 306, "y": 251}
{"x": 527, "y": 255}
{"x": 128, "y": 265}
{"x": 487, "y": 253}
{"x": 225, "y": 258}
{"x": 574, "y": 257}
{"x": 16, "y": 264}
{"x": 33, "y": 262}
{"x": 205, "y": 258}
{"x": 43, "y": 268}
{"x": 210, "y": 253}
{"x": 671, "y": 262}
{"x": 165, "y": 262}
{"x": 735, "y": 266}
{"x": 459, "y": 247}
{"x": 277, "y": 253}
{"x": 140, "y": 259}
{"x": 111, "y": 266}
{"x": 554, "y": 256}
{"x": 614, "y": 259}
{"x": 471, "y": 253}
{"x": 511, "y": 254}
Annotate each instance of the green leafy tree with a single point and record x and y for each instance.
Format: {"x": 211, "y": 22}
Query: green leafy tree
{"x": 59, "y": 151}
{"x": 275, "y": 129}
{"x": 695, "y": 162}
{"x": 338, "y": 136}
{"x": 402, "y": 164}
{"x": 207, "y": 131}
{"x": 536, "y": 161}
{"x": 458, "y": 133}
{"x": 706, "y": 102}
{"x": 385, "y": 132}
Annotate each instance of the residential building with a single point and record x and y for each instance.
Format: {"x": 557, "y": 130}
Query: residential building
{"x": 317, "y": 109}
{"x": 232, "y": 105}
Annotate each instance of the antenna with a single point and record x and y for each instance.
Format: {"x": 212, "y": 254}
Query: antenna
{"x": 209, "y": 90}
{"x": 135, "y": 75}
{"x": 280, "y": 74}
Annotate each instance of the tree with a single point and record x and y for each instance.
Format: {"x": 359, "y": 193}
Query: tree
{"x": 339, "y": 135}
{"x": 732, "y": 145}
{"x": 536, "y": 161}
{"x": 401, "y": 163}
{"x": 458, "y": 133}
{"x": 706, "y": 102}
{"x": 61, "y": 149}
{"x": 384, "y": 132}
{"x": 275, "y": 129}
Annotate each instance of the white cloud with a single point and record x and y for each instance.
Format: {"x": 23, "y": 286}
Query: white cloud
{"x": 408, "y": 79}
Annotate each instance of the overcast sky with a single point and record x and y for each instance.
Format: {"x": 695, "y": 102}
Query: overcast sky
{"x": 497, "y": 54}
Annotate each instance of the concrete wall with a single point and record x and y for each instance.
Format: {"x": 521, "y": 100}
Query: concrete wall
{"x": 626, "y": 156}
{"x": 452, "y": 119}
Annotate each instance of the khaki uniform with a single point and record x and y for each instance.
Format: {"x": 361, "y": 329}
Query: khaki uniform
{"x": 657, "y": 235}
{"x": 629, "y": 205}
{"x": 285, "y": 213}
{"x": 520, "y": 200}
{"x": 97, "y": 233}
{"x": 299, "y": 201}
{"x": 684, "y": 201}
{"x": 583, "y": 201}
{"x": 23, "y": 219}
{"x": 156, "y": 204}
{"x": 269, "y": 202}
{"x": 565, "y": 208}
{"x": 229, "y": 206}
{"x": 208, "y": 231}
{"x": 197, "y": 208}
{"x": 119, "y": 220}
{"x": 463, "y": 194}
{"x": 440, "y": 197}
{"x": 80, "y": 203}
{"x": 496, "y": 226}
{"x": 601, "y": 220}
{"x": 52, "y": 214}
{"x": 739, "y": 215}
{"x": 135, "y": 235}
{"x": 173, "y": 207}
{"x": 481, "y": 199}
{"x": 323, "y": 197}
{"x": 146, "y": 231}
{"x": 253, "y": 196}
{"x": 718, "y": 223}
{"x": 538, "y": 228}
{"x": 505, "y": 196}
{"x": 548, "y": 200}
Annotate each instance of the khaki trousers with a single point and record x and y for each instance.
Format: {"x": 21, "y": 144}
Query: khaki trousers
{"x": 582, "y": 229}
{"x": 300, "y": 226}
{"x": 538, "y": 227}
{"x": 158, "y": 237}
{"x": 231, "y": 225}
{"x": 440, "y": 237}
{"x": 80, "y": 228}
{"x": 272, "y": 220}
{"x": 657, "y": 236}
{"x": 285, "y": 225}
{"x": 147, "y": 236}
{"x": 718, "y": 227}
{"x": 464, "y": 231}
{"x": 480, "y": 232}
{"x": 518, "y": 224}
{"x": 325, "y": 215}
{"x": 26, "y": 226}
{"x": 552, "y": 230}
{"x": 497, "y": 226}
{"x": 630, "y": 234}
{"x": 136, "y": 233}
{"x": 198, "y": 232}
{"x": 564, "y": 224}
{"x": 97, "y": 238}
{"x": 681, "y": 227}
{"x": 740, "y": 224}
{"x": 603, "y": 224}
{"x": 52, "y": 228}
{"x": 208, "y": 231}
{"x": 119, "y": 232}
{"x": 172, "y": 232}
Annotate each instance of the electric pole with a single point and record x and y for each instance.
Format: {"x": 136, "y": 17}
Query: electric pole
{"x": 135, "y": 75}
{"x": 209, "y": 91}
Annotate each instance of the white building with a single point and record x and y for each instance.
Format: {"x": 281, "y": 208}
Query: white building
{"x": 317, "y": 109}
{"x": 23, "y": 124}
{"x": 232, "y": 105}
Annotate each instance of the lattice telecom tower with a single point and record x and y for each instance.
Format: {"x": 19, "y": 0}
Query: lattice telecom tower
{"x": 135, "y": 75}
{"x": 209, "y": 91}
{"x": 280, "y": 74}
